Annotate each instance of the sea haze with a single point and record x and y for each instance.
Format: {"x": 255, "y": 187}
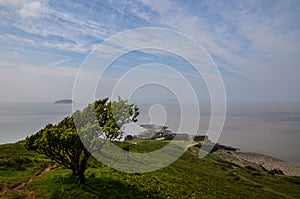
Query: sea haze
{"x": 18, "y": 120}
{"x": 272, "y": 129}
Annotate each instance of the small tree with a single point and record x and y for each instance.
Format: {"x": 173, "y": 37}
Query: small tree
{"x": 98, "y": 122}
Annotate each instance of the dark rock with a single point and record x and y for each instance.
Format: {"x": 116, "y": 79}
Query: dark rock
{"x": 129, "y": 137}
{"x": 223, "y": 147}
{"x": 200, "y": 138}
{"x": 276, "y": 171}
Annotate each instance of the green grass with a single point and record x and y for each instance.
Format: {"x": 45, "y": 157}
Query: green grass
{"x": 18, "y": 165}
{"x": 188, "y": 177}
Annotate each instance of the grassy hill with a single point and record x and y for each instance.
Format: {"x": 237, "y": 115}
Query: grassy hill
{"x": 26, "y": 174}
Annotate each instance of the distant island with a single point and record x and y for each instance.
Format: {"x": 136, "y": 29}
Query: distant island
{"x": 64, "y": 101}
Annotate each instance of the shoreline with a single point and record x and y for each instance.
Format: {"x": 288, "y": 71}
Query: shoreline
{"x": 264, "y": 162}
{"x": 267, "y": 163}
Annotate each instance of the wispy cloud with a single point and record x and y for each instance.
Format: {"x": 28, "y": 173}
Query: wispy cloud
{"x": 252, "y": 42}
{"x": 31, "y": 9}
{"x": 241, "y": 36}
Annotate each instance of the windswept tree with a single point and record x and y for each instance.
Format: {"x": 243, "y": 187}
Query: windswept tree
{"x": 71, "y": 141}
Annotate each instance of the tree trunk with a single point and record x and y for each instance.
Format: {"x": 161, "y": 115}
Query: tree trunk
{"x": 81, "y": 177}
{"x": 82, "y": 166}
{"x": 80, "y": 174}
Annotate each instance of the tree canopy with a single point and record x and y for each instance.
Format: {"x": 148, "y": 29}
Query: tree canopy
{"x": 71, "y": 141}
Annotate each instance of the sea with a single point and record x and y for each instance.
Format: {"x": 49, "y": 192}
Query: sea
{"x": 271, "y": 129}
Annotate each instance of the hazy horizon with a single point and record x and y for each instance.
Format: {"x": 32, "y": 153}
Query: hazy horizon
{"x": 267, "y": 129}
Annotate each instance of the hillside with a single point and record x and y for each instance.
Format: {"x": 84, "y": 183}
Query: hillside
{"x": 26, "y": 174}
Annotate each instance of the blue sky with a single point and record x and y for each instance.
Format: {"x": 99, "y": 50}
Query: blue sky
{"x": 255, "y": 44}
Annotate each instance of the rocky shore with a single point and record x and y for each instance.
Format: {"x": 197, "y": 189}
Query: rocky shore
{"x": 255, "y": 160}
{"x": 268, "y": 163}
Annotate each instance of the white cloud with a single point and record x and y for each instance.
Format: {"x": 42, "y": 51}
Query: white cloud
{"x": 26, "y": 8}
{"x": 244, "y": 36}
{"x": 14, "y": 3}
{"x": 19, "y": 39}
{"x": 66, "y": 46}
{"x": 256, "y": 40}
{"x": 31, "y": 9}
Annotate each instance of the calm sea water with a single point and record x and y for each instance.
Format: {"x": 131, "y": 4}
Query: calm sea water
{"x": 18, "y": 120}
{"x": 272, "y": 129}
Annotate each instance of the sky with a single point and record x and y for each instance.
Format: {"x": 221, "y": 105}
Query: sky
{"x": 254, "y": 44}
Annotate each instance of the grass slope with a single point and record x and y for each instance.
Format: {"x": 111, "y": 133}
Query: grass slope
{"x": 188, "y": 177}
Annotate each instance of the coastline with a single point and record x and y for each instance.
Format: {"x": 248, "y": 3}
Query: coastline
{"x": 255, "y": 160}
{"x": 268, "y": 163}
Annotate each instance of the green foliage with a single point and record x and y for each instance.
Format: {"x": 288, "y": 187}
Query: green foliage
{"x": 70, "y": 141}
{"x": 104, "y": 120}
